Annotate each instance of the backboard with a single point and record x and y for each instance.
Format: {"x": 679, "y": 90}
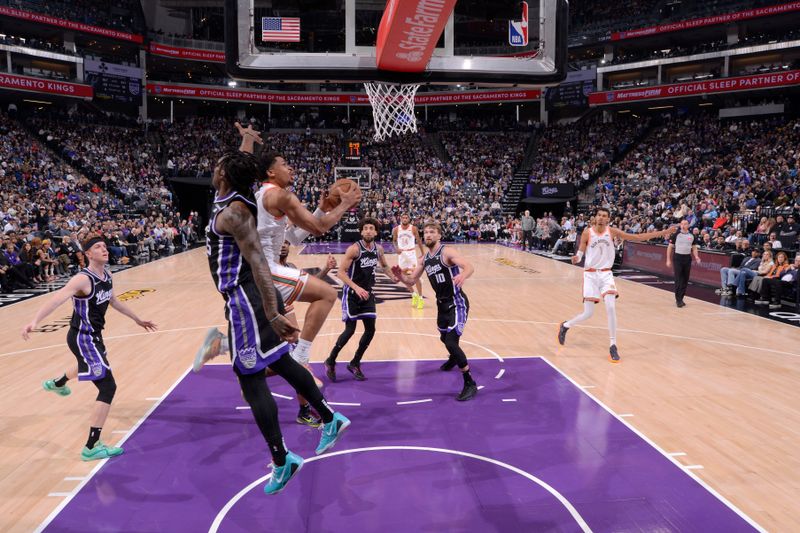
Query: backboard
{"x": 334, "y": 41}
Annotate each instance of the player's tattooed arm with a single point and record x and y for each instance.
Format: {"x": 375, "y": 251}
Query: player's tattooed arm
{"x": 385, "y": 264}
{"x": 238, "y": 221}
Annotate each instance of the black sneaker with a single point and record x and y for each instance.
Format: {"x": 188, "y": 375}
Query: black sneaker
{"x": 468, "y": 392}
{"x": 613, "y": 355}
{"x": 307, "y": 417}
{"x": 562, "y": 333}
{"x": 448, "y": 365}
{"x": 356, "y": 371}
{"x": 680, "y": 303}
{"x": 330, "y": 370}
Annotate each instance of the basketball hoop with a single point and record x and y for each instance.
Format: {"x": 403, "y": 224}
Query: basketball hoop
{"x": 392, "y": 108}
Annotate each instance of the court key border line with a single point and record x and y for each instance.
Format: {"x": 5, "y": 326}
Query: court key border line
{"x": 70, "y": 495}
{"x": 674, "y": 461}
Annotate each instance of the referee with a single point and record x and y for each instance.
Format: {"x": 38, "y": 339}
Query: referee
{"x": 684, "y": 244}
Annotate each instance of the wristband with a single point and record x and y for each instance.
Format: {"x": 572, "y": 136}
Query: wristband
{"x": 273, "y": 319}
{"x": 579, "y": 254}
{"x": 319, "y": 213}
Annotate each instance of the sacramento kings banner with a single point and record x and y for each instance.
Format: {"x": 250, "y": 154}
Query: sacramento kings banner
{"x": 551, "y": 190}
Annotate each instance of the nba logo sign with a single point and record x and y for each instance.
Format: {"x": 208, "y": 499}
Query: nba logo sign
{"x": 518, "y": 30}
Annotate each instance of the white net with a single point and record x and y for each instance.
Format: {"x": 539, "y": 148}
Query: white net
{"x": 392, "y": 108}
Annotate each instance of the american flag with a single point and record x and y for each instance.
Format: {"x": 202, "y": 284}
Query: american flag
{"x": 280, "y": 29}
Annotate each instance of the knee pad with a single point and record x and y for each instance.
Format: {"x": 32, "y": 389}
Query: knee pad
{"x": 106, "y": 389}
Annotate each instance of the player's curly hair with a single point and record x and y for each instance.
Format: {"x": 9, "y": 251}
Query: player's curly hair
{"x": 368, "y": 220}
{"x": 241, "y": 171}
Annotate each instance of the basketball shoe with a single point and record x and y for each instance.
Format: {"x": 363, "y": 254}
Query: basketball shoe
{"x": 307, "y": 417}
{"x": 331, "y": 432}
{"x": 468, "y": 392}
{"x": 211, "y": 347}
{"x": 356, "y": 371}
{"x": 50, "y": 385}
{"x": 613, "y": 355}
{"x": 281, "y": 475}
{"x": 330, "y": 370}
{"x": 100, "y": 451}
{"x": 562, "y": 333}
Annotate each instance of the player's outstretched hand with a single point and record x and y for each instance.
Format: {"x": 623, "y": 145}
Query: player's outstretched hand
{"x": 670, "y": 230}
{"x": 285, "y": 329}
{"x": 146, "y": 324}
{"x": 249, "y": 131}
{"x": 331, "y": 264}
{"x": 26, "y": 331}
{"x": 352, "y": 197}
{"x": 398, "y": 272}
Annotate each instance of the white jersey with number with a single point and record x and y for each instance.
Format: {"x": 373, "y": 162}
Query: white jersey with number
{"x": 406, "y": 240}
{"x": 271, "y": 229}
{"x": 599, "y": 250}
{"x": 406, "y": 244}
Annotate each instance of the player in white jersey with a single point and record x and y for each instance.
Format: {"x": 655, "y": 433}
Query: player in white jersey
{"x": 277, "y": 207}
{"x": 405, "y": 238}
{"x": 597, "y": 242}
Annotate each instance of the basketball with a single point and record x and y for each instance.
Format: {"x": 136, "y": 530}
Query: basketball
{"x": 334, "y": 197}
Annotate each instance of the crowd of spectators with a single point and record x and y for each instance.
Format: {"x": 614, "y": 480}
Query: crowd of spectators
{"x": 735, "y": 181}
{"x": 121, "y": 159}
{"x": 570, "y": 154}
{"x": 48, "y": 206}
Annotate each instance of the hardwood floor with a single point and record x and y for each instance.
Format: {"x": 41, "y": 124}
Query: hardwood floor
{"x": 719, "y": 388}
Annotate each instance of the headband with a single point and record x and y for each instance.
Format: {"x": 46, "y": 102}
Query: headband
{"x": 91, "y": 242}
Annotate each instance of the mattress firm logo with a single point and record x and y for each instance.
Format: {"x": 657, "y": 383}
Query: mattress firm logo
{"x": 419, "y": 30}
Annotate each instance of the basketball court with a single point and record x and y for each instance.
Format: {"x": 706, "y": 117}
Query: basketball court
{"x": 688, "y": 433}
{"x": 695, "y": 430}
